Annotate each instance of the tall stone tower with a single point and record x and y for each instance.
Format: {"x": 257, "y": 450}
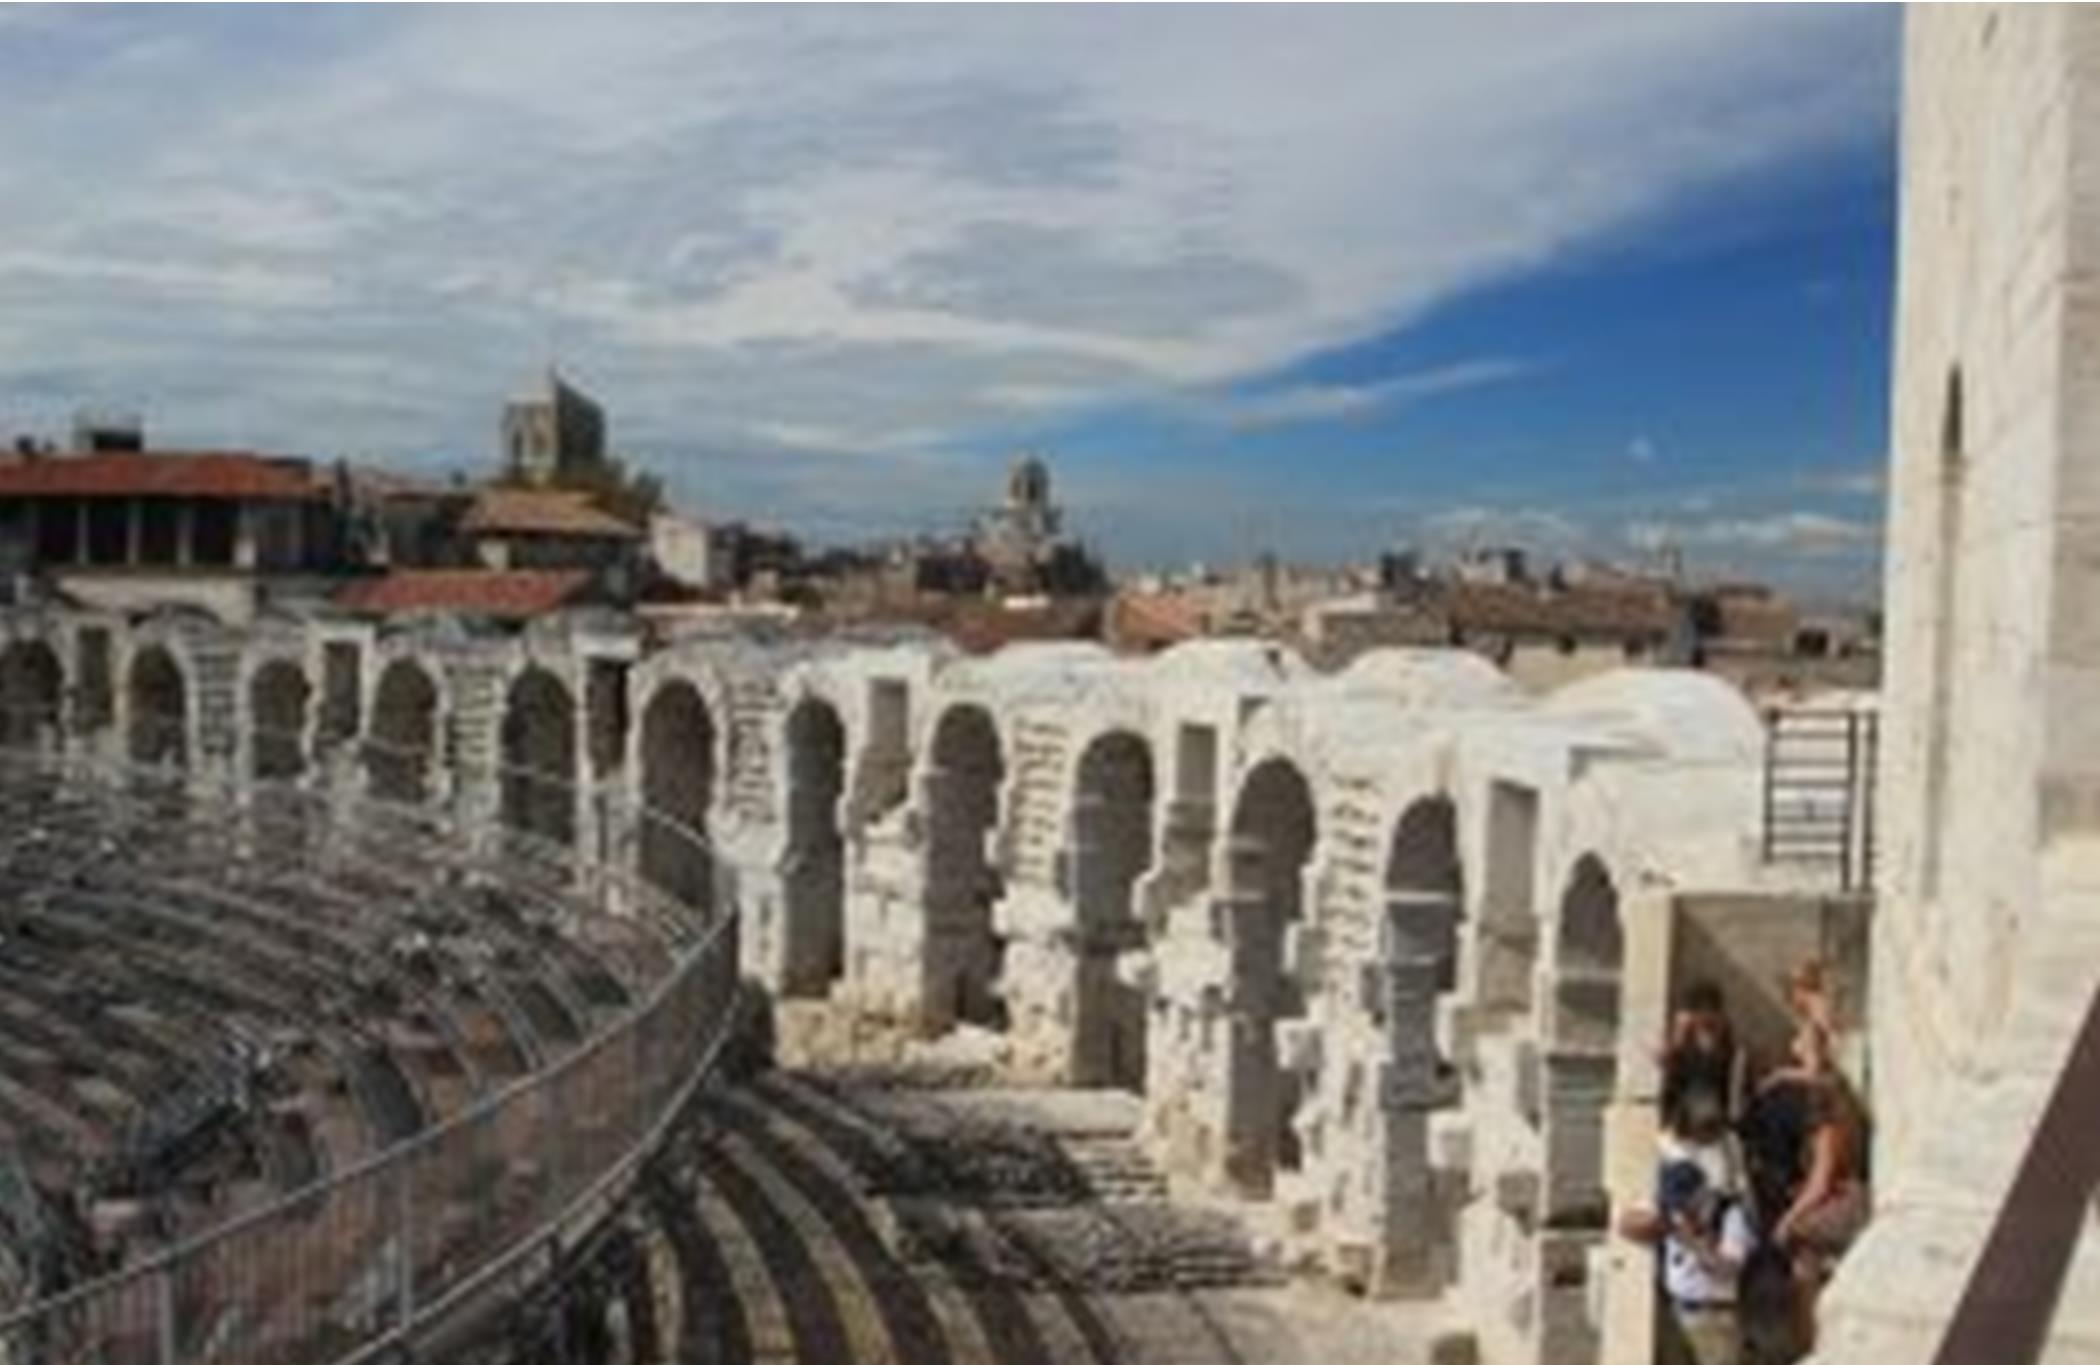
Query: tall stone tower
{"x": 1987, "y": 932}
{"x": 552, "y": 434}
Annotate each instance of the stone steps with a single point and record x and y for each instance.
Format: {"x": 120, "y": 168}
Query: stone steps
{"x": 1116, "y": 1169}
{"x": 1040, "y": 1325}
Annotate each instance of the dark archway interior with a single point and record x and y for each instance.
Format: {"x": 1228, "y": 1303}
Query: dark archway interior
{"x": 539, "y": 757}
{"x": 1589, "y": 956}
{"x": 277, "y": 696}
{"x": 814, "y": 877}
{"x": 1111, "y": 848}
{"x": 1425, "y": 898}
{"x": 962, "y": 805}
{"x": 31, "y": 684}
{"x": 403, "y": 740}
{"x": 1273, "y": 828}
{"x": 678, "y": 779}
{"x": 159, "y": 699}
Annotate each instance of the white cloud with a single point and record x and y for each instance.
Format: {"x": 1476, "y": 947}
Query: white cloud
{"x": 1870, "y": 481}
{"x": 1543, "y": 529}
{"x": 354, "y": 229}
{"x": 1641, "y": 450}
{"x": 1329, "y": 402}
{"x": 1805, "y": 531}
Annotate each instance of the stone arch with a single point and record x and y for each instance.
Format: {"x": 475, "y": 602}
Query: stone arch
{"x": 1274, "y": 825}
{"x": 32, "y": 684}
{"x": 678, "y": 783}
{"x": 1589, "y": 952}
{"x": 403, "y": 738}
{"x": 813, "y": 880}
{"x": 1425, "y": 899}
{"x": 277, "y": 697}
{"x": 158, "y": 698}
{"x": 960, "y": 793}
{"x": 539, "y": 757}
{"x": 1111, "y": 848}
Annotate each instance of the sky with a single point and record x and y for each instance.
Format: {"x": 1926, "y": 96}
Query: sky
{"x": 1316, "y": 281}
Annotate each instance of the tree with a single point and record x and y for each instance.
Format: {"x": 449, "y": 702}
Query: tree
{"x": 631, "y": 496}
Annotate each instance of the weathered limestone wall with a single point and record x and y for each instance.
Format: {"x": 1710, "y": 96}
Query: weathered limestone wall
{"x": 1987, "y": 943}
{"x": 1381, "y": 950}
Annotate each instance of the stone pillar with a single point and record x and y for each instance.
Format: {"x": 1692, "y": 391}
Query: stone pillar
{"x": 1250, "y": 1081}
{"x": 215, "y": 696}
{"x": 1187, "y": 827}
{"x": 473, "y": 748}
{"x": 244, "y": 516}
{"x": 1579, "y": 1086}
{"x": 1408, "y": 1094}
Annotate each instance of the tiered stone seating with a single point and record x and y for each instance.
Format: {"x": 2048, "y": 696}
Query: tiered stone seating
{"x": 203, "y": 1010}
{"x": 809, "y": 1220}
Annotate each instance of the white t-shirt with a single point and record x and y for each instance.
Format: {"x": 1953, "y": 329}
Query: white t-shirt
{"x": 1688, "y": 1281}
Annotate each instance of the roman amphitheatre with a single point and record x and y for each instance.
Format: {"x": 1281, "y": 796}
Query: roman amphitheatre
{"x": 583, "y": 990}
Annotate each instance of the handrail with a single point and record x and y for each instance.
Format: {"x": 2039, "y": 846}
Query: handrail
{"x": 2009, "y": 1303}
{"x": 559, "y": 1141}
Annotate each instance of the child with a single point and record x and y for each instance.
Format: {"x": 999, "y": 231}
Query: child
{"x": 1707, "y": 1238}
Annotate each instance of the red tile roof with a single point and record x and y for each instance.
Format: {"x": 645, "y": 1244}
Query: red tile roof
{"x": 543, "y": 512}
{"x": 1153, "y": 620}
{"x": 1583, "y": 612}
{"x": 175, "y": 474}
{"x": 513, "y": 593}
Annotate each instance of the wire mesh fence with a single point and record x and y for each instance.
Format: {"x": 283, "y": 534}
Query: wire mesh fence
{"x": 357, "y": 1262}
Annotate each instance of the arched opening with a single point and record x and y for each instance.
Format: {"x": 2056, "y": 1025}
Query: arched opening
{"x": 961, "y": 800}
{"x": 814, "y": 877}
{"x": 539, "y": 757}
{"x": 159, "y": 706}
{"x": 678, "y": 781}
{"x": 403, "y": 737}
{"x": 277, "y": 695}
{"x": 1425, "y": 899}
{"x": 31, "y": 683}
{"x": 1589, "y": 954}
{"x": 1273, "y": 828}
{"x": 1111, "y": 848}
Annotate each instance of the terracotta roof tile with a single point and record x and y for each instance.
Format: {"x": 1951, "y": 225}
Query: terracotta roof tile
{"x": 511, "y": 593}
{"x": 176, "y": 474}
{"x": 544, "y": 512}
{"x": 1612, "y": 612}
{"x": 1154, "y": 619}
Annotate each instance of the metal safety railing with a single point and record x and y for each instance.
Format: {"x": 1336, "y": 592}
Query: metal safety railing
{"x": 1819, "y": 773}
{"x": 374, "y": 1255}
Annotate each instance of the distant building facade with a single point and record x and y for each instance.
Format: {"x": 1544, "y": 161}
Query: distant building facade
{"x": 128, "y": 529}
{"x": 527, "y": 528}
{"x": 1022, "y": 541}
